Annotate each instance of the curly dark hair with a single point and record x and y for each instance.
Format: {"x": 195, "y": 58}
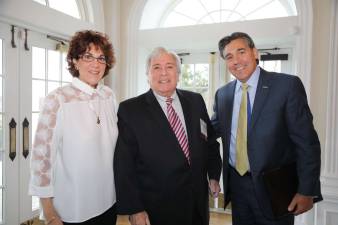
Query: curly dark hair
{"x": 80, "y": 43}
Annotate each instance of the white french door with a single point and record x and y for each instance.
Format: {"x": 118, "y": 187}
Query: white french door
{"x": 27, "y": 74}
{"x": 11, "y": 159}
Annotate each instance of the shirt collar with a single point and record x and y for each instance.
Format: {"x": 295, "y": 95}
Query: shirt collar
{"x": 162, "y": 98}
{"x": 79, "y": 84}
{"x": 253, "y": 80}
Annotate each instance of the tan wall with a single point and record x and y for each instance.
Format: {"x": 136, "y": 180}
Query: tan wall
{"x": 320, "y": 60}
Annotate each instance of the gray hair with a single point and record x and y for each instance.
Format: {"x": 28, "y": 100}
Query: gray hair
{"x": 159, "y": 51}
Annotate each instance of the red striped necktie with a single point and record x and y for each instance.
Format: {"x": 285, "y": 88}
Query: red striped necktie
{"x": 177, "y": 126}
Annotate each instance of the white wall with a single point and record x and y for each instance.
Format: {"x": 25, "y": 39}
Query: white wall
{"x": 112, "y": 18}
{"x": 276, "y": 31}
{"x": 325, "y": 103}
{"x": 34, "y": 16}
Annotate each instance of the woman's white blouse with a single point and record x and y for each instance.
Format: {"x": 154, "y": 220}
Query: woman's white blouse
{"x": 72, "y": 156}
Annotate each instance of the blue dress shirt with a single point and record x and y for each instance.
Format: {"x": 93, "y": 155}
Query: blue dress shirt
{"x": 252, "y": 83}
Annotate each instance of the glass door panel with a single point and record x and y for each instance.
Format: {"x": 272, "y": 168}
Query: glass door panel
{"x": 10, "y": 181}
{"x": 49, "y": 71}
{"x": 195, "y": 77}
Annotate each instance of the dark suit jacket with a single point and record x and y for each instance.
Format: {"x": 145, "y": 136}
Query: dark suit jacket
{"x": 151, "y": 171}
{"x": 281, "y": 132}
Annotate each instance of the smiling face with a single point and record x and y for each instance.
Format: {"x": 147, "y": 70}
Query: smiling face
{"x": 163, "y": 74}
{"x": 91, "y": 72}
{"x": 240, "y": 59}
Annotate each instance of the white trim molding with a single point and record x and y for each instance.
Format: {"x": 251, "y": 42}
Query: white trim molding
{"x": 330, "y": 171}
{"x": 132, "y": 49}
{"x": 328, "y": 209}
{"x": 331, "y": 144}
{"x": 304, "y": 43}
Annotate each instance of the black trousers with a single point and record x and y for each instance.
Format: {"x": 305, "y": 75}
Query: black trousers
{"x": 106, "y": 218}
{"x": 245, "y": 207}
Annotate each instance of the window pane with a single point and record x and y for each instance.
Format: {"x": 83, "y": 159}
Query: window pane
{"x": 187, "y": 76}
{"x": 68, "y": 7}
{"x": 35, "y": 118}
{"x": 205, "y": 94}
{"x": 207, "y": 19}
{"x": 195, "y": 77}
{"x": 38, "y": 94}
{"x": 275, "y": 65}
{"x": 175, "y": 19}
{"x": 52, "y": 86}
{"x": 272, "y": 10}
{"x": 184, "y": 7}
{"x": 1, "y": 142}
{"x": 215, "y": 11}
{"x": 245, "y": 7}
{"x": 38, "y": 63}
{"x": 66, "y": 76}
{"x": 1, "y": 94}
{"x": 1, "y": 164}
{"x": 1, "y": 207}
{"x": 53, "y": 65}
{"x": 211, "y": 5}
{"x": 35, "y": 203}
{"x": 202, "y": 75}
{"x": 0, "y": 56}
{"x": 231, "y": 16}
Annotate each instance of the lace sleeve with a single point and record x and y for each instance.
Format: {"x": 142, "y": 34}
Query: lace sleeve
{"x": 43, "y": 149}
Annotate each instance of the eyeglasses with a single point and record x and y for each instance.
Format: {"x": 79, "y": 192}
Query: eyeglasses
{"x": 87, "y": 57}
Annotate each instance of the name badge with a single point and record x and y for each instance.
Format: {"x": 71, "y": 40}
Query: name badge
{"x": 204, "y": 129}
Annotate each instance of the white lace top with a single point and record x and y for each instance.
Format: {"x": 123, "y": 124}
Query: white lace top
{"x": 72, "y": 155}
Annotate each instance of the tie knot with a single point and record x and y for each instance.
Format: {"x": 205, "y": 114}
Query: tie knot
{"x": 169, "y": 101}
{"x": 245, "y": 86}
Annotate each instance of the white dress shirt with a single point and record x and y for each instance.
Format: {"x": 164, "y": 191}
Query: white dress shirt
{"x": 176, "y": 105}
{"x": 72, "y": 155}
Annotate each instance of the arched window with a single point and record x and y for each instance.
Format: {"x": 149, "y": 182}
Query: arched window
{"x": 272, "y": 23}
{"x": 68, "y": 7}
{"x": 193, "y": 12}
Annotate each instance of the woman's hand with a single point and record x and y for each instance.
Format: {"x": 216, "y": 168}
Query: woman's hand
{"x": 55, "y": 220}
{"x": 49, "y": 212}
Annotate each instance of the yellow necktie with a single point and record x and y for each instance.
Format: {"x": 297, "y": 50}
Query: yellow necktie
{"x": 242, "y": 162}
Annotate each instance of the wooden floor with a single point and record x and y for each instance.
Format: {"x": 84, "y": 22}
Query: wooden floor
{"x": 215, "y": 219}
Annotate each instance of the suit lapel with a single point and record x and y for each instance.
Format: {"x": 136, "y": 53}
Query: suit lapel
{"x": 227, "y": 103}
{"x": 262, "y": 92}
{"x": 157, "y": 113}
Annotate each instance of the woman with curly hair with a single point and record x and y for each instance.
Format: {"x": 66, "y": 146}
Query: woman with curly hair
{"x": 72, "y": 157}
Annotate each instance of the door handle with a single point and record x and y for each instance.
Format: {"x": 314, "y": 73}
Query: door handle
{"x": 25, "y": 138}
{"x": 12, "y": 139}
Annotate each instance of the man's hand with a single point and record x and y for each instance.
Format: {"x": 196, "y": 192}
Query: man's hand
{"x": 140, "y": 218}
{"x": 214, "y": 188}
{"x": 300, "y": 204}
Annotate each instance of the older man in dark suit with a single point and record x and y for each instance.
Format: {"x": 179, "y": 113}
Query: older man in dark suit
{"x": 166, "y": 151}
{"x": 265, "y": 123}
